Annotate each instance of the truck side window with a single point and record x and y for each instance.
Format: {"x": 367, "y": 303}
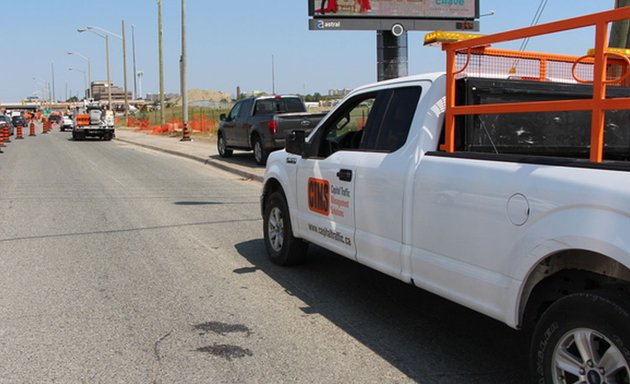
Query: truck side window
{"x": 345, "y": 129}
{"x": 263, "y": 107}
{"x": 388, "y": 131}
{"x": 245, "y": 108}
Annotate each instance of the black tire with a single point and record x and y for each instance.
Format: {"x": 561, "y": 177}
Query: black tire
{"x": 282, "y": 247}
{"x": 222, "y": 148}
{"x": 260, "y": 153}
{"x": 597, "y": 319}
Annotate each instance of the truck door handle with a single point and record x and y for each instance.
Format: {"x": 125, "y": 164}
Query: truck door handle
{"x": 344, "y": 175}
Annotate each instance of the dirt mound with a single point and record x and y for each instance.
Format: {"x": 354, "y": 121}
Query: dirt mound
{"x": 204, "y": 95}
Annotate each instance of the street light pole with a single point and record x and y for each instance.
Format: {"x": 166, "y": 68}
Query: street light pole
{"x": 125, "y": 73}
{"x": 89, "y": 71}
{"x": 135, "y": 73}
{"x": 124, "y": 50}
{"x": 109, "y": 82}
{"x": 82, "y": 71}
{"x": 106, "y": 37}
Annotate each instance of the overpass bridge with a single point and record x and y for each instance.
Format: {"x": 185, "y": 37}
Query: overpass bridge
{"x": 64, "y": 106}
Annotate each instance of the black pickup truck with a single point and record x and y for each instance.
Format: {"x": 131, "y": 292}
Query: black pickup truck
{"x": 262, "y": 123}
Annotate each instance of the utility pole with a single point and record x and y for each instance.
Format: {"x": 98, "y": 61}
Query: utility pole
{"x": 161, "y": 62}
{"x": 273, "y": 76}
{"x": 620, "y": 31}
{"x": 52, "y": 70}
{"x": 184, "y": 90}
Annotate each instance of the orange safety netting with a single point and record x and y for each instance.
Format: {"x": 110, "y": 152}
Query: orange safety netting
{"x": 484, "y": 61}
{"x": 198, "y": 124}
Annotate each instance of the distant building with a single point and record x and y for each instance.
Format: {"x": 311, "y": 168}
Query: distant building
{"x": 339, "y": 92}
{"x": 100, "y": 92}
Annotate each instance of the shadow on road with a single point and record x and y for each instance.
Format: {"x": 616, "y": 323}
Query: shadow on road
{"x": 430, "y": 339}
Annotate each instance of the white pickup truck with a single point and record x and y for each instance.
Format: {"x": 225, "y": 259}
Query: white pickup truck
{"x": 438, "y": 180}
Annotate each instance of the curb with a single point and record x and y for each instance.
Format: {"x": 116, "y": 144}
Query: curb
{"x": 206, "y": 161}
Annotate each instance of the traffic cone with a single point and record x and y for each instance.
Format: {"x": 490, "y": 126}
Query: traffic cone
{"x": 186, "y": 132}
{"x": 6, "y": 135}
{"x": 18, "y": 135}
{"x": 32, "y": 129}
{"x": 46, "y": 127}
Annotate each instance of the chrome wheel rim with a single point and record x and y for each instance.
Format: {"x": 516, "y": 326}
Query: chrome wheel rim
{"x": 221, "y": 145}
{"x": 586, "y": 356}
{"x": 275, "y": 229}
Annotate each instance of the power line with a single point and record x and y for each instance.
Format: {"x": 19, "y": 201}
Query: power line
{"x": 535, "y": 20}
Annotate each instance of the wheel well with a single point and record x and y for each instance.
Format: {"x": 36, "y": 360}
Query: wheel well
{"x": 253, "y": 135}
{"x": 565, "y": 273}
{"x": 271, "y": 186}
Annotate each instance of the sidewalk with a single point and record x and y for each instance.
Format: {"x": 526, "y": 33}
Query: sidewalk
{"x": 204, "y": 151}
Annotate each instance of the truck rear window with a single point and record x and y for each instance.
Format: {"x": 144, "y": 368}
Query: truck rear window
{"x": 558, "y": 134}
{"x": 280, "y": 105}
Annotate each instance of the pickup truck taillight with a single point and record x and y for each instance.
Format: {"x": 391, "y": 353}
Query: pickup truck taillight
{"x": 272, "y": 126}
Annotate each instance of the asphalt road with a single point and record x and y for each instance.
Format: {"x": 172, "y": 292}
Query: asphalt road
{"x": 123, "y": 265}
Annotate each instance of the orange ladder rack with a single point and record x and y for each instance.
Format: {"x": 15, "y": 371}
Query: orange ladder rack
{"x": 596, "y": 65}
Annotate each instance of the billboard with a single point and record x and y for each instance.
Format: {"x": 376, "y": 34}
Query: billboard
{"x": 406, "y": 9}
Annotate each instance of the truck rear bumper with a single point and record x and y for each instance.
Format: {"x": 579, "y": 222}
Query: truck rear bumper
{"x": 94, "y": 131}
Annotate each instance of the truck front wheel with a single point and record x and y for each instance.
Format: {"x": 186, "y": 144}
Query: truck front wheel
{"x": 583, "y": 338}
{"x": 222, "y": 147}
{"x": 282, "y": 247}
{"x": 260, "y": 154}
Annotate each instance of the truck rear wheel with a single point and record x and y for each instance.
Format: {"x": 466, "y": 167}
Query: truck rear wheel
{"x": 282, "y": 247}
{"x": 583, "y": 338}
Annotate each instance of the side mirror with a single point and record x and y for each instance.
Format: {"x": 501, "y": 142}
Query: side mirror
{"x": 295, "y": 143}
{"x": 222, "y": 117}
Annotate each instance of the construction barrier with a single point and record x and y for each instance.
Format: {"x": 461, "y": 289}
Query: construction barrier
{"x": 18, "y": 134}
{"x": 32, "y": 129}
{"x": 198, "y": 124}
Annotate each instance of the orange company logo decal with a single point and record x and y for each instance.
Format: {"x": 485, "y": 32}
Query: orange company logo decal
{"x": 319, "y": 196}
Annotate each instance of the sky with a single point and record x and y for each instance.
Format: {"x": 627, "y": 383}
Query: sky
{"x": 230, "y": 43}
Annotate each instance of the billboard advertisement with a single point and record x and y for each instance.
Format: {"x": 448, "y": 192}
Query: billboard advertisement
{"x": 408, "y": 9}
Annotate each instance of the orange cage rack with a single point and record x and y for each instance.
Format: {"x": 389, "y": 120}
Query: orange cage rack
{"x": 601, "y": 67}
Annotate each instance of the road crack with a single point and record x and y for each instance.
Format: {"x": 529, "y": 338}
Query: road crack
{"x": 158, "y": 359}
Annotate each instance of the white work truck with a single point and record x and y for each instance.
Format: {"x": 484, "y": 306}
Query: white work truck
{"x": 522, "y": 216}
